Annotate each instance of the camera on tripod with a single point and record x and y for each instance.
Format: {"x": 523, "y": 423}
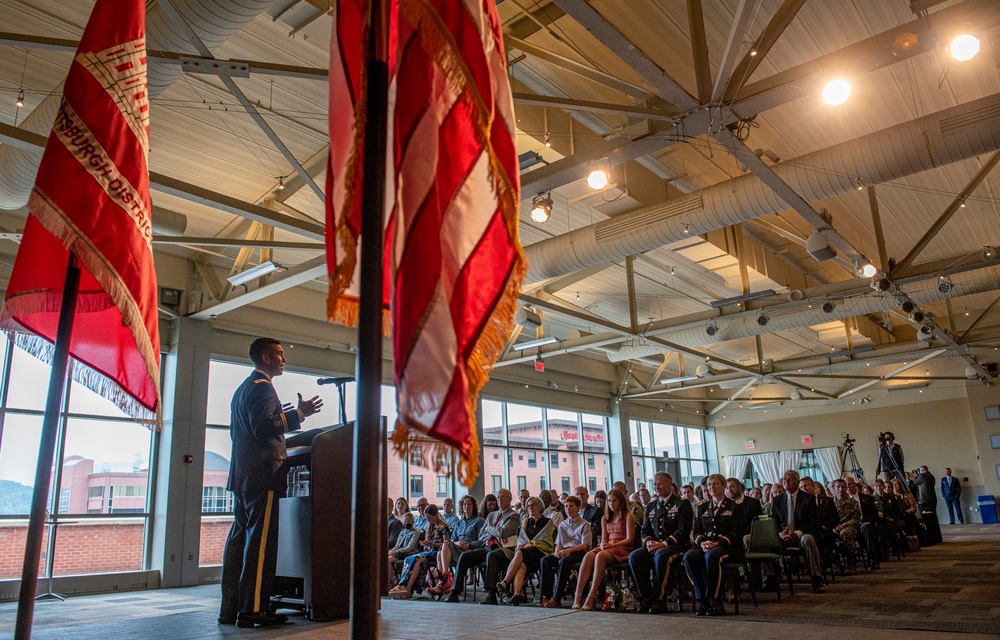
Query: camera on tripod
{"x": 882, "y": 438}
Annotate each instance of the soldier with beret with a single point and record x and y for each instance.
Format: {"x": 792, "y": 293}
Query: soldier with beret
{"x": 666, "y": 535}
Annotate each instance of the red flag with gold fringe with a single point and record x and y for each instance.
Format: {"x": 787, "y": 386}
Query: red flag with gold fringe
{"x": 91, "y": 198}
{"x": 453, "y": 256}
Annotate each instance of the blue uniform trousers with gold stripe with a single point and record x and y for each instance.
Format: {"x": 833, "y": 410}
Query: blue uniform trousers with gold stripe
{"x": 252, "y": 545}
{"x": 704, "y": 569}
{"x": 662, "y": 563}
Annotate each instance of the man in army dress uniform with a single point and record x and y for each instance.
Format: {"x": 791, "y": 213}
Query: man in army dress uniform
{"x": 666, "y": 534}
{"x": 257, "y": 479}
{"x": 718, "y": 535}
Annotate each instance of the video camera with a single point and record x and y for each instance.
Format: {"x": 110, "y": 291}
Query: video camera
{"x": 882, "y": 438}
{"x": 848, "y": 440}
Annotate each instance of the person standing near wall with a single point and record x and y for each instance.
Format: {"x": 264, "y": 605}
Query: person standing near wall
{"x": 951, "y": 491}
{"x": 258, "y": 425}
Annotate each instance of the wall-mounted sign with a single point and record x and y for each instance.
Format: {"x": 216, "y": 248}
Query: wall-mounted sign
{"x": 807, "y": 439}
{"x": 589, "y": 437}
{"x": 750, "y": 444}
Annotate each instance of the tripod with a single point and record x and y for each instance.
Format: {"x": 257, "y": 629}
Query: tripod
{"x": 848, "y": 454}
{"x": 885, "y": 453}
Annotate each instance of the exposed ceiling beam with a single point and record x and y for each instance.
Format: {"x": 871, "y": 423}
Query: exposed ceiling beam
{"x": 943, "y": 219}
{"x": 738, "y": 34}
{"x": 979, "y": 319}
{"x": 191, "y": 64}
{"x": 237, "y": 242}
{"x": 571, "y": 104}
{"x": 762, "y": 46}
{"x": 699, "y": 50}
{"x": 894, "y": 372}
{"x": 731, "y": 398}
{"x": 588, "y": 72}
{"x": 24, "y": 139}
{"x": 293, "y": 277}
{"x": 883, "y": 260}
{"x": 192, "y": 37}
{"x": 608, "y": 35}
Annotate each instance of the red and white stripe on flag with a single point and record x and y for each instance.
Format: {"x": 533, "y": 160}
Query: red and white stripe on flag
{"x": 454, "y": 258}
{"x": 91, "y": 197}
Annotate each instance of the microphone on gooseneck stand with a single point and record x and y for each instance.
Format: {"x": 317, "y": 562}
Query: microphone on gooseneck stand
{"x": 337, "y": 381}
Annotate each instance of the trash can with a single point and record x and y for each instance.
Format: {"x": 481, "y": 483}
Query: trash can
{"x": 988, "y": 509}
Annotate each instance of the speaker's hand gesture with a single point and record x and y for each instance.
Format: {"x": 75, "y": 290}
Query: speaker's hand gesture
{"x": 310, "y": 406}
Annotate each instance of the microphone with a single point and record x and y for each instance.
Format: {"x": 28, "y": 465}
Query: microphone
{"x": 342, "y": 380}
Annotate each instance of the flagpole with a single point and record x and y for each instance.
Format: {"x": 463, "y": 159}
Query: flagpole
{"x": 365, "y": 508}
{"x": 46, "y": 449}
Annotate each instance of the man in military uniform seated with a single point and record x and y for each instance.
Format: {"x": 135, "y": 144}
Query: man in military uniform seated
{"x": 718, "y": 535}
{"x": 848, "y": 516}
{"x": 868, "y": 529}
{"x": 666, "y": 535}
{"x": 794, "y": 513}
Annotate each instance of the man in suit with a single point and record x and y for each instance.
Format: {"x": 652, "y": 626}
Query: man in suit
{"x": 495, "y": 546}
{"x": 666, "y": 535}
{"x": 868, "y": 531}
{"x": 926, "y": 498}
{"x": 951, "y": 491}
{"x": 749, "y": 508}
{"x": 257, "y": 479}
{"x": 796, "y": 518}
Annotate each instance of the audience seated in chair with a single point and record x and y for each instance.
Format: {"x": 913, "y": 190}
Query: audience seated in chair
{"x": 434, "y": 538}
{"x": 617, "y": 541}
{"x": 718, "y": 535}
{"x": 573, "y": 540}
{"x": 496, "y": 540}
{"x": 794, "y": 512}
{"x": 534, "y": 542}
{"x": 464, "y": 536}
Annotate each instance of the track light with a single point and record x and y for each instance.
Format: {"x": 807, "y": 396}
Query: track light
{"x": 836, "y": 92}
{"x": 907, "y": 306}
{"x": 917, "y": 316}
{"x": 925, "y": 333}
{"x": 20, "y": 98}
{"x": 712, "y": 328}
{"x": 541, "y": 207}
{"x": 964, "y": 47}
{"x": 944, "y": 285}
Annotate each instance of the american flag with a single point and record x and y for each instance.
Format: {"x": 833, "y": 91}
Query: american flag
{"x": 453, "y": 257}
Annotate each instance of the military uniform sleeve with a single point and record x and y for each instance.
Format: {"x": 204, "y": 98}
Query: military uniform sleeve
{"x": 267, "y": 418}
{"x": 647, "y": 527}
{"x": 699, "y": 527}
{"x": 685, "y": 520}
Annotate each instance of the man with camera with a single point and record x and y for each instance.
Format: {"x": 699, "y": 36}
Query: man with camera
{"x": 890, "y": 458}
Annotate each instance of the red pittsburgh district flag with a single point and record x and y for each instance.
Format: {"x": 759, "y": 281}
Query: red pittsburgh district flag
{"x": 91, "y": 197}
{"x": 453, "y": 257}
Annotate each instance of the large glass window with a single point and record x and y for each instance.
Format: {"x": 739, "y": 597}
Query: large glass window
{"x": 101, "y": 473}
{"x": 653, "y": 444}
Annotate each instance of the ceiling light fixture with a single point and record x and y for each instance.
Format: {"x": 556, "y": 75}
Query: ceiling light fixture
{"x": 281, "y": 182}
{"x": 712, "y": 328}
{"x": 762, "y": 319}
{"x": 687, "y": 228}
{"x": 868, "y": 270}
{"x": 531, "y": 344}
{"x": 964, "y": 47}
{"x": 859, "y": 184}
{"x": 829, "y": 306}
{"x": 944, "y": 285}
{"x": 836, "y": 92}
{"x": 541, "y": 207}
{"x": 252, "y": 273}
{"x": 20, "y": 98}
{"x": 988, "y": 253}
{"x": 597, "y": 178}
{"x": 548, "y": 143}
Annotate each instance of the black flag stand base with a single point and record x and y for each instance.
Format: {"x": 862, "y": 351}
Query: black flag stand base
{"x": 46, "y": 450}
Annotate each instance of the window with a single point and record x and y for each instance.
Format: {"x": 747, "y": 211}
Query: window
{"x": 417, "y": 456}
{"x": 544, "y": 482}
{"x": 809, "y": 466}
{"x": 64, "y": 499}
{"x": 532, "y": 460}
{"x": 416, "y": 486}
{"x": 555, "y": 460}
{"x": 651, "y": 442}
{"x": 592, "y": 484}
{"x": 95, "y": 492}
{"x": 522, "y": 483}
{"x": 497, "y": 483}
{"x": 441, "y": 485}
{"x": 216, "y": 500}
{"x": 591, "y": 464}
{"x": 565, "y": 484}
{"x": 496, "y": 456}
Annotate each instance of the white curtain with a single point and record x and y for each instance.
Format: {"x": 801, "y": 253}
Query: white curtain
{"x": 736, "y": 466}
{"x": 768, "y": 466}
{"x": 789, "y": 460}
{"x": 829, "y": 462}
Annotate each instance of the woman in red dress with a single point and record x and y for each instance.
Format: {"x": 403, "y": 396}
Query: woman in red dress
{"x": 616, "y": 543}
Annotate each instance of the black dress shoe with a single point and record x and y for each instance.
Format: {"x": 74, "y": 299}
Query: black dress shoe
{"x": 491, "y": 598}
{"x": 769, "y": 586}
{"x": 818, "y": 585}
{"x": 452, "y": 597}
{"x": 518, "y": 599}
{"x": 717, "y": 608}
{"x": 224, "y": 619}
{"x": 658, "y": 608}
{"x": 260, "y": 619}
{"x": 703, "y": 609}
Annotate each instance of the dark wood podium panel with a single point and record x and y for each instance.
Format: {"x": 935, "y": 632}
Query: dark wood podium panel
{"x": 314, "y": 541}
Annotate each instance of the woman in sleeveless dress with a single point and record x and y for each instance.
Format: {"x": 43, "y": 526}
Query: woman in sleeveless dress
{"x": 617, "y": 542}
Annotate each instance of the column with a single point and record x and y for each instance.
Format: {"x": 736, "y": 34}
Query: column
{"x": 620, "y": 445}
